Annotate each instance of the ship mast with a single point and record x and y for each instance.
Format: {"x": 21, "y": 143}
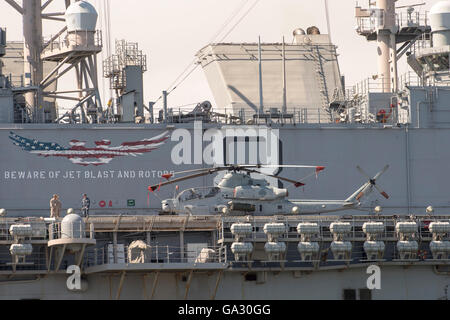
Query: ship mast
{"x": 31, "y": 11}
{"x": 32, "y": 47}
{"x": 74, "y": 47}
{"x": 387, "y": 47}
{"x": 381, "y": 23}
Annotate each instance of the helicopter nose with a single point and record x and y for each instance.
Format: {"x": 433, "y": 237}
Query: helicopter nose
{"x": 165, "y": 207}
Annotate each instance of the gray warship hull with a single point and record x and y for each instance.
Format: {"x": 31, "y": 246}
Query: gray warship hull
{"x": 399, "y": 283}
{"x": 276, "y": 104}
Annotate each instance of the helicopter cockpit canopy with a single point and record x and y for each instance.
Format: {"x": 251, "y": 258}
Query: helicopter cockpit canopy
{"x": 198, "y": 193}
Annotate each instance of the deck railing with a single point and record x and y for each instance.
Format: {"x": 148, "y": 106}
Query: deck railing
{"x": 111, "y": 254}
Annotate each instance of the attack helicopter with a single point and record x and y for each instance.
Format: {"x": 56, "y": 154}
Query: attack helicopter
{"x": 239, "y": 194}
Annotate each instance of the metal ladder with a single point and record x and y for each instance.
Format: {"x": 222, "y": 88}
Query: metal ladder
{"x": 321, "y": 81}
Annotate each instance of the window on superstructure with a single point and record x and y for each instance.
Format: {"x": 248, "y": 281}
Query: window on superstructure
{"x": 349, "y": 294}
{"x": 365, "y": 294}
{"x": 251, "y": 277}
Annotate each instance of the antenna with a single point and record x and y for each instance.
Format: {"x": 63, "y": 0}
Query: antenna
{"x": 412, "y": 5}
{"x": 327, "y": 13}
{"x": 261, "y": 95}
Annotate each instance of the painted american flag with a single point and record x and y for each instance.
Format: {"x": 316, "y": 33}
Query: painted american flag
{"x": 79, "y": 153}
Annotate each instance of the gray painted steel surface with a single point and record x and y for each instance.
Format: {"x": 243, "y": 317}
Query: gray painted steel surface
{"x": 418, "y": 160}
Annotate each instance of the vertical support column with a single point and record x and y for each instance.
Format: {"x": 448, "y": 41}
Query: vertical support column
{"x": 327, "y": 13}
{"x": 165, "y": 106}
{"x": 214, "y": 236}
{"x": 182, "y": 245}
{"x": 284, "y": 79}
{"x": 49, "y": 258}
{"x": 90, "y": 70}
{"x": 219, "y": 277}
{"x": 144, "y": 286}
{"x": 393, "y": 63}
{"x": 155, "y": 284}
{"x": 32, "y": 47}
{"x": 119, "y": 290}
{"x": 79, "y": 76}
{"x": 150, "y": 110}
{"x": 149, "y": 244}
{"x": 261, "y": 94}
{"x": 383, "y": 61}
{"x": 2, "y": 46}
{"x": 115, "y": 246}
{"x": 387, "y": 47}
{"x": 149, "y": 238}
{"x": 188, "y": 284}
{"x": 408, "y": 168}
{"x": 94, "y": 77}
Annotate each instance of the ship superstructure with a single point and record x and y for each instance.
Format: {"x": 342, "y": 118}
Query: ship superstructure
{"x": 277, "y": 104}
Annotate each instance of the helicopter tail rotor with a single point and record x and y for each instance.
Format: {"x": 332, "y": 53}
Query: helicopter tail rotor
{"x": 368, "y": 187}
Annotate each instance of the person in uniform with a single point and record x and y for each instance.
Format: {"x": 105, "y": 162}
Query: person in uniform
{"x": 85, "y": 205}
{"x": 55, "y": 207}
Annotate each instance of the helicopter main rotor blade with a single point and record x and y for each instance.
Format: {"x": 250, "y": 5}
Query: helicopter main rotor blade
{"x": 216, "y": 169}
{"x": 239, "y": 167}
{"x": 193, "y": 176}
{"x": 281, "y": 166}
{"x": 169, "y": 176}
{"x": 246, "y": 168}
{"x": 317, "y": 168}
{"x": 295, "y": 183}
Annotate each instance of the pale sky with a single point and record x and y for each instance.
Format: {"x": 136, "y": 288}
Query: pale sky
{"x": 171, "y": 32}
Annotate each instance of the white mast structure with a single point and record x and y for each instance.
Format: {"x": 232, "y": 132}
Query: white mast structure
{"x": 31, "y": 11}
{"x": 382, "y": 24}
{"x": 75, "y": 45}
{"x": 387, "y": 46}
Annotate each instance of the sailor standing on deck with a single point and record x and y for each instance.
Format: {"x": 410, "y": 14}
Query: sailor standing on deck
{"x": 55, "y": 207}
{"x": 85, "y": 205}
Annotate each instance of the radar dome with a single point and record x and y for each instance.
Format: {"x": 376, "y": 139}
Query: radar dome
{"x": 440, "y": 23}
{"x": 72, "y": 227}
{"x": 81, "y": 16}
{"x": 299, "y": 31}
{"x": 441, "y": 7}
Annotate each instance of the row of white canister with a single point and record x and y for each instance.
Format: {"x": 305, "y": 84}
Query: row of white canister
{"x": 243, "y": 250}
{"x": 407, "y": 247}
{"x": 72, "y": 227}
{"x": 20, "y": 232}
